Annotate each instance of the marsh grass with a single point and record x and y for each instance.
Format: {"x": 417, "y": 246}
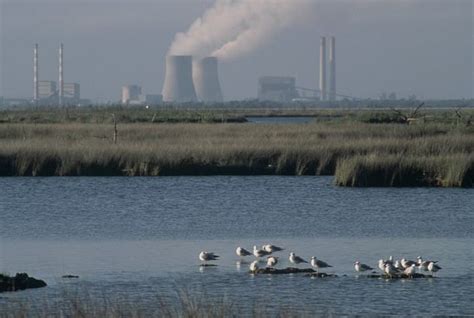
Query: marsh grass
{"x": 80, "y": 304}
{"x": 359, "y": 154}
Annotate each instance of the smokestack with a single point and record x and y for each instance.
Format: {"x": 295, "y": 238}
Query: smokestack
{"x": 61, "y": 81}
{"x": 332, "y": 68}
{"x": 35, "y": 74}
{"x": 178, "y": 86}
{"x": 322, "y": 69}
{"x": 206, "y": 80}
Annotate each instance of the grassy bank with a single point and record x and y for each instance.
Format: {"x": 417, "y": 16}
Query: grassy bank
{"x": 358, "y": 154}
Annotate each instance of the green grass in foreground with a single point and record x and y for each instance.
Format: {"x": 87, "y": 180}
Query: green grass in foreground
{"x": 358, "y": 154}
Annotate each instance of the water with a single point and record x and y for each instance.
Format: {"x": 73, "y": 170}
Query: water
{"x": 138, "y": 238}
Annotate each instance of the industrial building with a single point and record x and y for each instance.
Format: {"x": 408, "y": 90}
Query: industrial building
{"x": 50, "y": 92}
{"x": 131, "y": 94}
{"x": 277, "y": 88}
{"x": 206, "y": 80}
{"x": 72, "y": 92}
{"x": 46, "y": 90}
{"x": 178, "y": 86}
{"x": 151, "y": 99}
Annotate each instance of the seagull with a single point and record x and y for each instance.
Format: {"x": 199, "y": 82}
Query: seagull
{"x": 422, "y": 264}
{"x": 433, "y": 268}
{"x": 381, "y": 265}
{"x": 406, "y": 263}
{"x": 390, "y": 269}
{"x": 240, "y": 251}
{"x": 208, "y": 256}
{"x": 296, "y": 259}
{"x": 272, "y": 261}
{"x": 409, "y": 271}
{"x": 318, "y": 264}
{"x": 259, "y": 253}
{"x": 254, "y": 266}
{"x": 398, "y": 265}
{"x": 362, "y": 267}
{"x": 271, "y": 248}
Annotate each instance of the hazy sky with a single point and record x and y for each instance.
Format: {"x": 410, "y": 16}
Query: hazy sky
{"x": 422, "y": 47}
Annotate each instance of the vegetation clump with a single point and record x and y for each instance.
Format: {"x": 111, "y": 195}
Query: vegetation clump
{"x": 437, "y": 153}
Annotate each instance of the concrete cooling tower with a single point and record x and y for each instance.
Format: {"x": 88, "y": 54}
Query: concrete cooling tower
{"x": 178, "y": 86}
{"x": 206, "y": 80}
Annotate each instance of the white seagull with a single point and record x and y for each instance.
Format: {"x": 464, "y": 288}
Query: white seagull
{"x": 254, "y": 266}
{"x": 362, "y": 267}
{"x": 242, "y": 252}
{"x": 381, "y": 264}
{"x": 406, "y": 263}
{"x": 433, "y": 268}
{"x": 272, "y": 261}
{"x": 259, "y": 253}
{"x": 208, "y": 256}
{"x": 390, "y": 269}
{"x": 272, "y": 248}
{"x": 409, "y": 271}
{"x": 422, "y": 264}
{"x": 318, "y": 263}
{"x": 296, "y": 259}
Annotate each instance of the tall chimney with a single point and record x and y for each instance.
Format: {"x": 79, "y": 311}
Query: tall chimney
{"x": 179, "y": 86}
{"x": 61, "y": 81}
{"x": 322, "y": 69}
{"x": 206, "y": 80}
{"x": 332, "y": 68}
{"x": 35, "y": 73}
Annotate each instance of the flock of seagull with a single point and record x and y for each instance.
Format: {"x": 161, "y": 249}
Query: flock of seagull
{"x": 389, "y": 266}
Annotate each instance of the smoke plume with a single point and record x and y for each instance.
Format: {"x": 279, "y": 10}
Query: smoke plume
{"x": 232, "y": 28}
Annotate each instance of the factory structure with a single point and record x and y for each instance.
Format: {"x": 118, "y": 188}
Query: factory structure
{"x": 284, "y": 89}
{"x": 191, "y": 79}
{"x": 52, "y": 93}
{"x": 132, "y": 96}
{"x": 277, "y": 88}
{"x": 188, "y": 80}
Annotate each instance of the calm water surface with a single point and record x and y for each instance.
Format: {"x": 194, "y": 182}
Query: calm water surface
{"x": 138, "y": 238}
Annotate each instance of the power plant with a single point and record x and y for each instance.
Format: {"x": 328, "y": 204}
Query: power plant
{"x": 178, "y": 86}
{"x": 189, "y": 79}
{"x": 46, "y": 92}
{"x": 206, "y": 80}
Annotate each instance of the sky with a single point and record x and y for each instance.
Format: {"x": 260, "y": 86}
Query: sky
{"x": 420, "y": 47}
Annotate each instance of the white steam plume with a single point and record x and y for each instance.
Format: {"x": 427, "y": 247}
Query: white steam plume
{"x": 231, "y": 28}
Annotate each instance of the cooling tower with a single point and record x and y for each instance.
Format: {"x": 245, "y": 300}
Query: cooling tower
{"x": 332, "y": 68}
{"x": 322, "y": 68}
{"x": 178, "y": 86}
{"x": 206, "y": 80}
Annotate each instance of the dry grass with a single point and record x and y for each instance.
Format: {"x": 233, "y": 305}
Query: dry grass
{"x": 358, "y": 154}
{"x": 183, "y": 305}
